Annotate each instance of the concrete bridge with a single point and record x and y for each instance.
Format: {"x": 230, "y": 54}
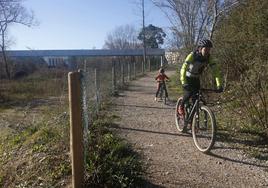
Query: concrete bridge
{"x": 53, "y": 57}
{"x": 92, "y": 53}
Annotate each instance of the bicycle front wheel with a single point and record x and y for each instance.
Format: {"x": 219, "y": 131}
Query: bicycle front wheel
{"x": 204, "y": 129}
{"x": 165, "y": 98}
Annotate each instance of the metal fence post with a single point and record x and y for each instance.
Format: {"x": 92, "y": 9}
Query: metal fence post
{"x": 97, "y": 91}
{"x": 76, "y": 130}
{"x": 85, "y": 65}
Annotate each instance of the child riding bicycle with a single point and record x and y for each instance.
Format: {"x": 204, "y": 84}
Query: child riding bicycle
{"x": 160, "y": 78}
{"x": 191, "y": 70}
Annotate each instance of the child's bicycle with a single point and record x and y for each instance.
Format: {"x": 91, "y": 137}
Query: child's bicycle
{"x": 200, "y": 119}
{"x": 162, "y": 92}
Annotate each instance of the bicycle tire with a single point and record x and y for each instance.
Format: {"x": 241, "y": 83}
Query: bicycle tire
{"x": 165, "y": 97}
{"x": 178, "y": 120}
{"x": 204, "y": 135}
{"x": 161, "y": 92}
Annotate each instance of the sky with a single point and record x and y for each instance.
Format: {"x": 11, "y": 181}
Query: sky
{"x": 80, "y": 24}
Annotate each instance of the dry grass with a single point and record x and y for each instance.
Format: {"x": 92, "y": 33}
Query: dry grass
{"x": 34, "y": 131}
{"x": 34, "y": 125}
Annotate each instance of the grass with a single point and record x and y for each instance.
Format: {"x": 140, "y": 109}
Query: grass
{"x": 40, "y": 152}
{"x": 36, "y": 156}
{"x": 34, "y": 140}
{"x": 111, "y": 161}
{"x": 36, "y": 86}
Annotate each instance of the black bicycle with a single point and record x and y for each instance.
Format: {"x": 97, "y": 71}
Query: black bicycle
{"x": 200, "y": 119}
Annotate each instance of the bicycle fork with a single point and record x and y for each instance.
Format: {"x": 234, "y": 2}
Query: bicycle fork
{"x": 204, "y": 122}
{"x": 197, "y": 114}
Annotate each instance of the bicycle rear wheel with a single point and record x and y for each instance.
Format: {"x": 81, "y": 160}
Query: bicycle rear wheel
{"x": 204, "y": 129}
{"x": 179, "y": 121}
{"x": 161, "y": 92}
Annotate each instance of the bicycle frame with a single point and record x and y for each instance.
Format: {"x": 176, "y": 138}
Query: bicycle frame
{"x": 161, "y": 92}
{"x": 200, "y": 119}
{"x": 195, "y": 107}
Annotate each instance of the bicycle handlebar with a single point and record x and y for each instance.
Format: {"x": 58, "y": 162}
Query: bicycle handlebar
{"x": 162, "y": 80}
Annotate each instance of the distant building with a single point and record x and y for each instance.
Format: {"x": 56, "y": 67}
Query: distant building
{"x": 172, "y": 56}
{"x": 54, "y": 61}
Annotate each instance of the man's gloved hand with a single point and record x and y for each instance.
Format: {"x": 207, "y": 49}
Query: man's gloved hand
{"x": 219, "y": 89}
{"x": 185, "y": 86}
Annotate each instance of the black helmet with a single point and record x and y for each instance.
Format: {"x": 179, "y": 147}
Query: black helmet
{"x": 161, "y": 70}
{"x": 205, "y": 43}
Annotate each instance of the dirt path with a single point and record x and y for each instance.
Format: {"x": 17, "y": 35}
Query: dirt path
{"x": 171, "y": 157}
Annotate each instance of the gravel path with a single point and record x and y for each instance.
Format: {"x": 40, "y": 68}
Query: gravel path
{"x": 171, "y": 157}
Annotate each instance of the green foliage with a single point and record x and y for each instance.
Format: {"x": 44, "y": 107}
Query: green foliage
{"x": 59, "y": 171}
{"x": 20, "y": 138}
{"x": 154, "y": 36}
{"x": 241, "y": 43}
{"x": 111, "y": 162}
{"x": 174, "y": 87}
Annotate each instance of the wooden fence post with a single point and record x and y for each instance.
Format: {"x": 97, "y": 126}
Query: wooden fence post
{"x": 76, "y": 130}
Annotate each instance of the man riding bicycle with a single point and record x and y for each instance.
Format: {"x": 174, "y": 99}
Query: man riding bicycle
{"x": 193, "y": 67}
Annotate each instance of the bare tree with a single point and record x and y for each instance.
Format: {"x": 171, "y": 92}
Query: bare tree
{"x": 219, "y": 11}
{"x": 192, "y": 20}
{"x": 122, "y": 37}
{"x": 11, "y": 12}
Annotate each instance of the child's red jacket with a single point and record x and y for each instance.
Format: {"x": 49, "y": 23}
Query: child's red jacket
{"x": 161, "y": 77}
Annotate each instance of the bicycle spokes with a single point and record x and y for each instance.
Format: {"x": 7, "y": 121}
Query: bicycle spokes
{"x": 204, "y": 127}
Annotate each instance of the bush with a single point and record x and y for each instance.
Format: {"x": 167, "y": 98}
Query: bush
{"x": 241, "y": 43}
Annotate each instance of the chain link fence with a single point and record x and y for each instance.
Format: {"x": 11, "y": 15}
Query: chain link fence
{"x": 98, "y": 80}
